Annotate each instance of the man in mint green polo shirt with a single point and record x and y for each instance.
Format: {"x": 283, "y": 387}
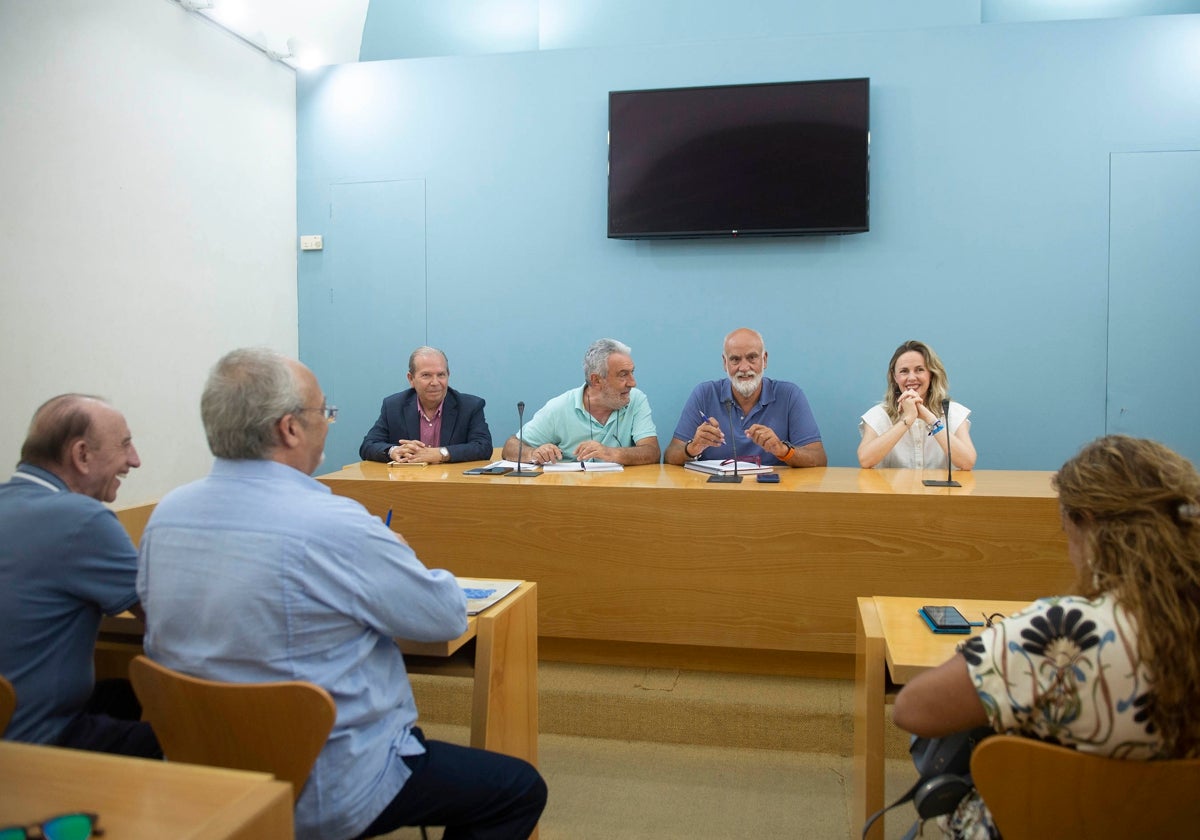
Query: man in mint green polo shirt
{"x": 607, "y": 419}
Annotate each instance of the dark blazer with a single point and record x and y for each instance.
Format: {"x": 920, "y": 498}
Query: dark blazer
{"x": 464, "y": 429}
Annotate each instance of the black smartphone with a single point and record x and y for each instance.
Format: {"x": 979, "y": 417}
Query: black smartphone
{"x": 488, "y": 471}
{"x": 942, "y": 619}
{"x": 768, "y": 478}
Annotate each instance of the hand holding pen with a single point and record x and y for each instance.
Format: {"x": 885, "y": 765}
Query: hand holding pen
{"x": 708, "y": 433}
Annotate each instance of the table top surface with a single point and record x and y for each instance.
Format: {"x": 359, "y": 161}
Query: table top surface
{"x": 911, "y": 647}
{"x": 1021, "y": 483}
{"x": 134, "y": 797}
{"x": 127, "y": 624}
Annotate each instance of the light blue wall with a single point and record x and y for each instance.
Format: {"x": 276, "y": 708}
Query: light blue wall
{"x": 989, "y": 225}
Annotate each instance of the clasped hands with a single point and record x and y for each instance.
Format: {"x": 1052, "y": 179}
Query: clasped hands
{"x": 414, "y": 452}
{"x": 913, "y": 407}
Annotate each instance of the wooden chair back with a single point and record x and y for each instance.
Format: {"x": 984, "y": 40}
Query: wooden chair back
{"x": 1038, "y": 790}
{"x": 8, "y": 703}
{"x": 278, "y": 728}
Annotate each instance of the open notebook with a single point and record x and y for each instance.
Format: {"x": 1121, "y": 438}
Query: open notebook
{"x": 482, "y": 593}
{"x": 718, "y": 467}
{"x": 583, "y": 466}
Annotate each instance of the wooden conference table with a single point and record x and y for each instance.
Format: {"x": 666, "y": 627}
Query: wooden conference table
{"x": 892, "y": 646}
{"x": 653, "y": 566}
{"x": 141, "y": 798}
{"x": 498, "y": 649}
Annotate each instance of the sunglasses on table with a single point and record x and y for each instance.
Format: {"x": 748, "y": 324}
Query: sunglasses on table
{"x": 62, "y": 827}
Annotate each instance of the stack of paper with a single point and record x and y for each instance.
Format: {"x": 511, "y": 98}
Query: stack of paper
{"x": 718, "y": 467}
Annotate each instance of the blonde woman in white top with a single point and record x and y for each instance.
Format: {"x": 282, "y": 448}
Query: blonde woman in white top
{"x": 908, "y": 428}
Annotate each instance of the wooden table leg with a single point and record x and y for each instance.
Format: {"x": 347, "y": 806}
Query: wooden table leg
{"x": 869, "y": 691}
{"x": 504, "y": 707}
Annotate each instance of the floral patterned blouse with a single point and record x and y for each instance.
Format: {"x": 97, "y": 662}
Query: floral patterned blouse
{"x": 1063, "y": 670}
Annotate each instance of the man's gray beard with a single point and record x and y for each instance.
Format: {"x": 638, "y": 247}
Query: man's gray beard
{"x": 746, "y": 387}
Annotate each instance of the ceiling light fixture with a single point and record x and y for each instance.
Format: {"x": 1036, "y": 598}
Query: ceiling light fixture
{"x": 282, "y": 50}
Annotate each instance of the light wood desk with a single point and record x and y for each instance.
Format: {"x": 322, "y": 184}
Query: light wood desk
{"x": 141, "y": 798}
{"x": 892, "y": 646}
{"x": 653, "y": 566}
{"x": 498, "y": 649}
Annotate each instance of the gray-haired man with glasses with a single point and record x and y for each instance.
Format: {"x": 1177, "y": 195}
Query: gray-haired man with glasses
{"x": 257, "y": 573}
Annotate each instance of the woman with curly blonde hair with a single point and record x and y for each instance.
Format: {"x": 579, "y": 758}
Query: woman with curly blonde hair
{"x": 1112, "y": 669}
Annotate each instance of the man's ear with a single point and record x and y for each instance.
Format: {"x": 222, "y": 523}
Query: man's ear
{"x": 79, "y": 455}
{"x": 287, "y": 429}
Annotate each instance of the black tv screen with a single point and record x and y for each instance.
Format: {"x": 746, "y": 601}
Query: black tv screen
{"x": 776, "y": 159}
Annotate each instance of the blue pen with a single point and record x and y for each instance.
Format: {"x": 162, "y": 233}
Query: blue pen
{"x": 388, "y": 520}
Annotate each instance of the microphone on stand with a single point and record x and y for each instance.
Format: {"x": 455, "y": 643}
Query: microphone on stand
{"x": 518, "y": 472}
{"x": 949, "y": 482}
{"x": 735, "y": 478}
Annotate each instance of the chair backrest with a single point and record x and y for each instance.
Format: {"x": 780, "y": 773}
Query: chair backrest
{"x": 8, "y": 703}
{"x": 1038, "y": 790}
{"x": 279, "y": 728}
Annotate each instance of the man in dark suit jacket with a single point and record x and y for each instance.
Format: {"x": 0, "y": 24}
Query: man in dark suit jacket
{"x": 430, "y": 423}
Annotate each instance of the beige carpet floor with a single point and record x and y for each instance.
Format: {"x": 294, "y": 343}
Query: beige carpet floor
{"x": 681, "y": 755}
{"x": 604, "y": 789}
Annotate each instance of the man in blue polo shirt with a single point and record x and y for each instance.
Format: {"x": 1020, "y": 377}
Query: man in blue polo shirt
{"x": 771, "y": 419}
{"x": 607, "y": 419}
{"x": 65, "y": 560}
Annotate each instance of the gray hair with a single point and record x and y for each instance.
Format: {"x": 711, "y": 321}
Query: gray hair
{"x": 246, "y": 393}
{"x": 425, "y": 351}
{"x": 595, "y": 360}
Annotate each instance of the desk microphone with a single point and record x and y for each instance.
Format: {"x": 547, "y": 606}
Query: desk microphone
{"x": 949, "y": 482}
{"x": 518, "y": 472}
{"x": 735, "y": 478}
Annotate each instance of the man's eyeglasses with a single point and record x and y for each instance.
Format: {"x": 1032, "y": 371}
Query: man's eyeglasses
{"x": 62, "y": 827}
{"x": 330, "y": 412}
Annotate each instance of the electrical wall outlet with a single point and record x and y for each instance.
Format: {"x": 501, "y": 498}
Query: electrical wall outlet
{"x": 311, "y": 243}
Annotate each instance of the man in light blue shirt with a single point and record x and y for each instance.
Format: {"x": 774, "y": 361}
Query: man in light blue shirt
{"x": 257, "y": 573}
{"x": 607, "y": 419}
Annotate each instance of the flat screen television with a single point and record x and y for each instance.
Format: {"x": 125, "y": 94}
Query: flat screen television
{"x": 774, "y": 159}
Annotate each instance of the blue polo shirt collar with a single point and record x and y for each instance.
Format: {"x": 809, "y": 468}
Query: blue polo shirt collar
{"x": 37, "y": 475}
